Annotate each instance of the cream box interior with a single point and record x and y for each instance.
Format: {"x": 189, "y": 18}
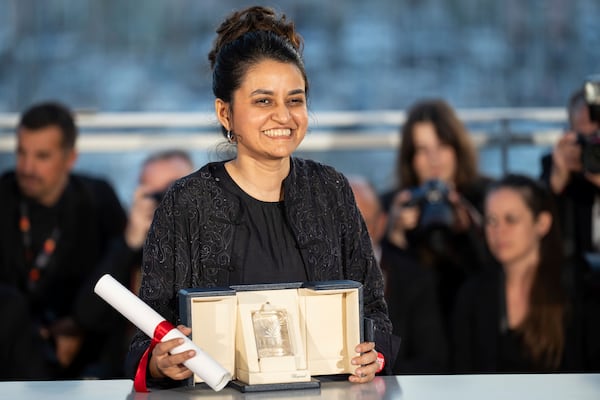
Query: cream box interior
{"x": 277, "y": 333}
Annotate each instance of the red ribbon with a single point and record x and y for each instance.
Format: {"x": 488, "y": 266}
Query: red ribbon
{"x": 139, "y": 383}
{"x": 380, "y": 361}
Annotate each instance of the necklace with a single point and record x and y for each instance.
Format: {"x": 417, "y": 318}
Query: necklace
{"x": 38, "y": 263}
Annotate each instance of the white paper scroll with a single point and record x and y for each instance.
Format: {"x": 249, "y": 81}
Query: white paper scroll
{"x": 145, "y": 318}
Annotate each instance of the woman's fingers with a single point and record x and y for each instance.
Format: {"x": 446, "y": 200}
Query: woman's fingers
{"x": 172, "y": 365}
{"x": 367, "y": 361}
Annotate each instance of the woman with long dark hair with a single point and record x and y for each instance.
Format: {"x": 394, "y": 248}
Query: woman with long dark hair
{"x": 523, "y": 316}
{"x": 434, "y": 239}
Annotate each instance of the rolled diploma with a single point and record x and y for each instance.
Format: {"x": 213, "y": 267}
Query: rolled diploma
{"x": 144, "y": 317}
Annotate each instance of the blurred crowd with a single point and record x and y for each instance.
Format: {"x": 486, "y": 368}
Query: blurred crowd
{"x": 481, "y": 274}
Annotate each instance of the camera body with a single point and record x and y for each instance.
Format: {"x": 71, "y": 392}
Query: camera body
{"x": 436, "y": 210}
{"x": 590, "y": 143}
{"x": 590, "y": 151}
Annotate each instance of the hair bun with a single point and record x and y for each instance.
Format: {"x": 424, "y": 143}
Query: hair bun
{"x": 252, "y": 19}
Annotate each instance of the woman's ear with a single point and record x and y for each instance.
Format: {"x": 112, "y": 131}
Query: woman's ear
{"x": 543, "y": 224}
{"x": 222, "y": 110}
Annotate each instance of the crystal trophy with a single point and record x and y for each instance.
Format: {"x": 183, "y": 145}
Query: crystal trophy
{"x": 271, "y": 332}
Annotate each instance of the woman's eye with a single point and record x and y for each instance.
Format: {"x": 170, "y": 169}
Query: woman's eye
{"x": 297, "y": 100}
{"x": 262, "y": 101}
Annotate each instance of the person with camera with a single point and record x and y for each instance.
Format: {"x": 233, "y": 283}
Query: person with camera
{"x": 123, "y": 258}
{"x": 159, "y": 171}
{"x": 434, "y": 219}
{"x": 575, "y": 179}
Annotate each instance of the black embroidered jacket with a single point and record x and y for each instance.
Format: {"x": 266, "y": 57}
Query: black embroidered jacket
{"x": 189, "y": 243}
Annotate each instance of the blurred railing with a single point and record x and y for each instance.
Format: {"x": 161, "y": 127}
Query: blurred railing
{"x": 368, "y": 130}
{"x": 113, "y": 145}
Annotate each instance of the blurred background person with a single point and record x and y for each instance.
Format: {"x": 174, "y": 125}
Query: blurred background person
{"x": 412, "y": 300}
{"x": 576, "y": 185}
{"x": 124, "y": 257}
{"x": 158, "y": 172}
{"x": 369, "y": 204}
{"x": 55, "y": 227}
{"x": 522, "y": 316}
{"x": 434, "y": 215}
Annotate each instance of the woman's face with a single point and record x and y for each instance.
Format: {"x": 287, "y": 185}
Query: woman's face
{"x": 512, "y": 232}
{"x": 269, "y": 114}
{"x": 433, "y": 159}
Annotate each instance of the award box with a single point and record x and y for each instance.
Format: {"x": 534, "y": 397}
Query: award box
{"x": 275, "y": 336}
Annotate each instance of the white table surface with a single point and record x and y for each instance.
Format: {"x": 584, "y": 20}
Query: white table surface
{"x": 446, "y": 387}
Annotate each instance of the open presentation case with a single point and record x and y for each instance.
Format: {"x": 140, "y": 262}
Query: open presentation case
{"x": 277, "y": 336}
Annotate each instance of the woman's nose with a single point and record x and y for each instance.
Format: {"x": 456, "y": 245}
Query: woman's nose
{"x": 281, "y": 113}
{"x": 434, "y": 153}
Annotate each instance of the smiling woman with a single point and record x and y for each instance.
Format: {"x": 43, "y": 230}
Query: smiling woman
{"x": 263, "y": 216}
{"x": 268, "y": 125}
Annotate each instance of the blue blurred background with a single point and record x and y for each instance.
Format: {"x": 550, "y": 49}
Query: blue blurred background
{"x": 151, "y": 56}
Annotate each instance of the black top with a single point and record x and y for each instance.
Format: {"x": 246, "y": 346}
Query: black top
{"x": 512, "y": 357}
{"x": 414, "y": 308}
{"x": 483, "y": 344}
{"x": 88, "y": 214}
{"x": 272, "y": 253}
{"x": 575, "y": 208}
{"x": 89, "y": 217}
{"x": 452, "y": 257}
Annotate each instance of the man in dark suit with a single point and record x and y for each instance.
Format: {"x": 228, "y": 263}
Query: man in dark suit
{"x": 55, "y": 227}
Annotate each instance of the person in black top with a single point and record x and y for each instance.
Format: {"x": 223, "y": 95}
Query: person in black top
{"x": 159, "y": 170}
{"x": 434, "y": 219}
{"x": 123, "y": 257}
{"x": 262, "y": 216}
{"x": 523, "y": 315}
{"x": 369, "y": 205}
{"x": 410, "y": 294}
{"x": 577, "y": 191}
{"x": 54, "y": 229}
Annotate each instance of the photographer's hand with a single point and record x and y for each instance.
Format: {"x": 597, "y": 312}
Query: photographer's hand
{"x": 402, "y": 218}
{"x": 140, "y": 218}
{"x": 566, "y": 157}
{"x": 593, "y": 178}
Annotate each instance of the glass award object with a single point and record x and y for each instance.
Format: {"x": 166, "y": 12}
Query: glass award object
{"x": 271, "y": 332}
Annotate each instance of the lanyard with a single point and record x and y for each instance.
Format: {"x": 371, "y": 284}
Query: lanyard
{"x": 40, "y": 261}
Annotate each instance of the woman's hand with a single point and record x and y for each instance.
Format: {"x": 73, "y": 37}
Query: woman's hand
{"x": 367, "y": 361}
{"x": 402, "y": 218}
{"x": 163, "y": 364}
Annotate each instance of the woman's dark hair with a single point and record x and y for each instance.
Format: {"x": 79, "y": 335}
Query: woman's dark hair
{"x": 542, "y": 329}
{"x": 246, "y": 38}
{"x": 449, "y": 129}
